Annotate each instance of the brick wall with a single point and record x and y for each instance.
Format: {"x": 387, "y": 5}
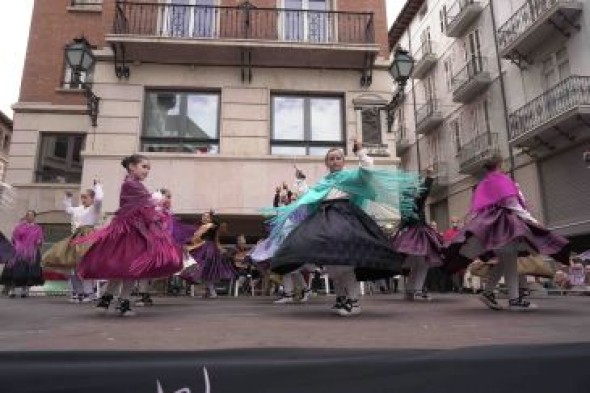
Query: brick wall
{"x": 52, "y": 27}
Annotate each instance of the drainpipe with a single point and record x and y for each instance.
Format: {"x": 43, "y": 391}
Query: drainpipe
{"x": 502, "y": 89}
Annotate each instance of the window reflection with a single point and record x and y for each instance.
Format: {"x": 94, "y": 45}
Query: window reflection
{"x": 181, "y": 122}
{"x": 60, "y": 159}
{"x": 306, "y": 125}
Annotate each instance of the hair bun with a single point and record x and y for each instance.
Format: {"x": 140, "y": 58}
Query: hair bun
{"x": 125, "y": 162}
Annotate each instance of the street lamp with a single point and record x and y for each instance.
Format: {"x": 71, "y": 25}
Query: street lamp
{"x": 79, "y": 57}
{"x": 401, "y": 68}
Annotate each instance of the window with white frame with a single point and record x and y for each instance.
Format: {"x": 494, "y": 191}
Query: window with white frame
{"x": 556, "y": 67}
{"x": 306, "y": 125}
{"x": 70, "y": 81}
{"x": 434, "y": 148}
{"x": 307, "y": 20}
{"x": 181, "y": 121}
{"x": 429, "y": 89}
{"x": 448, "y": 67}
{"x": 190, "y": 18}
{"x": 473, "y": 57}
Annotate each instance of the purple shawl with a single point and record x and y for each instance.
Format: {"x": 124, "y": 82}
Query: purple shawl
{"x": 27, "y": 238}
{"x": 134, "y": 195}
{"x": 492, "y": 190}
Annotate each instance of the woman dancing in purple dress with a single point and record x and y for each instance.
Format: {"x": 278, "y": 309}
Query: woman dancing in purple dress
{"x": 501, "y": 227}
{"x": 135, "y": 245}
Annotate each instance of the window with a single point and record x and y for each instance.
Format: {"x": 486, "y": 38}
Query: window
{"x": 434, "y": 144}
{"x": 6, "y": 144}
{"x": 306, "y": 125}
{"x": 448, "y": 65}
{"x": 443, "y": 18}
{"x": 60, "y": 159}
{"x": 400, "y": 121}
{"x": 456, "y": 132}
{"x": 186, "y": 122}
{"x": 556, "y": 67}
{"x": 423, "y": 10}
{"x": 425, "y": 42}
{"x": 190, "y": 18}
{"x": 371, "y": 123}
{"x": 306, "y": 20}
{"x": 429, "y": 89}
{"x": 75, "y": 3}
{"x": 473, "y": 58}
{"x": 69, "y": 81}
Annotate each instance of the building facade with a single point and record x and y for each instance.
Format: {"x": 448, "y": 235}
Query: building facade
{"x": 504, "y": 77}
{"x": 223, "y": 96}
{"x": 5, "y": 139}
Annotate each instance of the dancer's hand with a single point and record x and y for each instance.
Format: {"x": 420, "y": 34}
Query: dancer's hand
{"x": 357, "y": 146}
{"x": 299, "y": 174}
{"x": 96, "y": 181}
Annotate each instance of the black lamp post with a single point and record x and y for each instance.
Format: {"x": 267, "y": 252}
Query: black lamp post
{"x": 79, "y": 57}
{"x": 401, "y": 68}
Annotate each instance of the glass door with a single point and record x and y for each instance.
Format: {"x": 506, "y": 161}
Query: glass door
{"x": 190, "y": 18}
{"x": 306, "y": 20}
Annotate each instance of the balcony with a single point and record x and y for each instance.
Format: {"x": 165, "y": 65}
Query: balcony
{"x": 471, "y": 80}
{"x": 440, "y": 171}
{"x": 243, "y": 35}
{"x": 473, "y": 154}
{"x": 377, "y": 149}
{"x": 425, "y": 58}
{"x": 460, "y": 16}
{"x": 402, "y": 141}
{"x": 554, "y": 115}
{"x": 534, "y": 23}
{"x": 428, "y": 117}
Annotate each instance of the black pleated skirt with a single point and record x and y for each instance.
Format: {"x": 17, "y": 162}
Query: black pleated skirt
{"x": 339, "y": 234}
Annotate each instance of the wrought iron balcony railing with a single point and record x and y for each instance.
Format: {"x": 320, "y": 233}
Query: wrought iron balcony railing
{"x": 523, "y": 19}
{"x": 565, "y": 95}
{"x": 426, "y": 111}
{"x": 455, "y": 11}
{"x": 427, "y": 48}
{"x": 479, "y": 148}
{"x": 243, "y": 22}
{"x": 475, "y": 66}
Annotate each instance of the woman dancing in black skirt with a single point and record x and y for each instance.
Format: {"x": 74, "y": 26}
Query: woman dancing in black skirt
{"x": 336, "y": 232}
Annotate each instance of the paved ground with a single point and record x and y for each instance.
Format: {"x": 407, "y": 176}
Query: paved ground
{"x": 450, "y": 321}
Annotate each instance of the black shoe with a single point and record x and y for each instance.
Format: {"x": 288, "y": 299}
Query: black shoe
{"x": 489, "y": 299}
{"x": 104, "y": 302}
{"x": 519, "y": 304}
{"x": 124, "y": 308}
{"x": 350, "y": 307}
{"x": 339, "y": 305}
